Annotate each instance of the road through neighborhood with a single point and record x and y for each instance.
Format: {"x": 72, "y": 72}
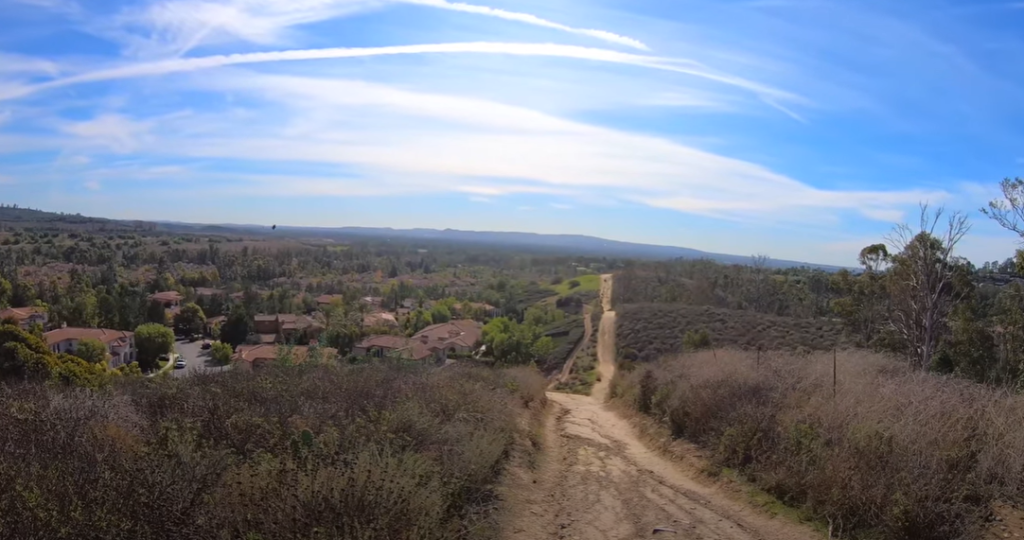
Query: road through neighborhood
{"x": 196, "y": 359}
{"x": 595, "y": 479}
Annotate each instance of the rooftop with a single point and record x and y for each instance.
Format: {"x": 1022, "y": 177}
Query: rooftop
{"x": 102, "y": 335}
{"x": 167, "y": 296}
{"x": 269, "y": 353}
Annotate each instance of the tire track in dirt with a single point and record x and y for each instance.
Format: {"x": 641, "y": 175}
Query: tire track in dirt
{"x": 596, "y": 480}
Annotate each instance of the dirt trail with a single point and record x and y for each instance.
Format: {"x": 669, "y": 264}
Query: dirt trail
{"x": 596, "y": 480}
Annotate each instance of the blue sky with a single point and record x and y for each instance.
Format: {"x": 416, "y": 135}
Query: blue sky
{"x": 799, "y": 129}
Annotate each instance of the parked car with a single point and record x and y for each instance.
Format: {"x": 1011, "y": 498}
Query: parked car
{"x": 193, "y": 338}
{"x": 180, "y": 363}
{"x": 206, "y": 345}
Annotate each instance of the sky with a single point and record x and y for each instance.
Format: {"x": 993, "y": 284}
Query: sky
{"x": 797, "y": 129}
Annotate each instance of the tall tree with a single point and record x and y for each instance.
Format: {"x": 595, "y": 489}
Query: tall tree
{"x": 155, "y": 313}
{"x": 237, "y": 327}
{"x": 921, "y": 281}
{"x": 190, "y": 319}
{"x": 151, "y": 341}
{"x": 1008, "y": 212}
{"x": 92, "y": 351}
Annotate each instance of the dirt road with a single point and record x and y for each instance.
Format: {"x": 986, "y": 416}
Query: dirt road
{"x": 596, "y": 480}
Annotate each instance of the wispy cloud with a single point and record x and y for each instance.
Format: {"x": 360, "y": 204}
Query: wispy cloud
{"x": 115, "y": 132}
{"x": 180, "y": 65}
{"x": 380, "y": 132}
{"x": 92, "y": 185}
{"x": 178, "y": 26}
{"x": 532, "y": 19}
{"x": 25, "y": 65}
{"x": 561, "y": 206}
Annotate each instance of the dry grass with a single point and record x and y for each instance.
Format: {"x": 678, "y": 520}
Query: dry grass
{"x": 646, "y": 332}
{"x": 304, "y": 452}
{"x": 895, "y": 454}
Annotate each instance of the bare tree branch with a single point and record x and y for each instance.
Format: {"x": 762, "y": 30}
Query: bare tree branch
{"x": 920, "y": 283}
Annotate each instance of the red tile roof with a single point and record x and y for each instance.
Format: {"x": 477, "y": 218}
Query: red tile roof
{"x": 385, "y": 342}
{"x": 102, "y": 335}
{"x": 266, "y": 353}
{"x": 464, "y": 332}
{"x": 329, "y": 298}
{"x": 167, "y": 296}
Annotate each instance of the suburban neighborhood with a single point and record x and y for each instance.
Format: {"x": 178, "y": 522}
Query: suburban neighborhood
{"x": 386, "y": 333}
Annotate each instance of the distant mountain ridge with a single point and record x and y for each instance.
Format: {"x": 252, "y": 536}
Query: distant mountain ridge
{"x": 569, "y": 244}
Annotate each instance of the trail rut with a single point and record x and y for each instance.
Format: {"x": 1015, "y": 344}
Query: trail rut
{"x": 596, "y": 480}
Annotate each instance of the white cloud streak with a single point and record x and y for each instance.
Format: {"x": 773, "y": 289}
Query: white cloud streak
{"x": 178, "y": 26}
{"x": 531, "y": 19}
{"x": 112, "y": 131}
{"x": 26, "y": 65}
{"x": 179, "y": 65}
{"x": 482, "y": 148}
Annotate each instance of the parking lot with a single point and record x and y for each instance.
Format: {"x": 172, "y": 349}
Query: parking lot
{"x": 196, "y": 359}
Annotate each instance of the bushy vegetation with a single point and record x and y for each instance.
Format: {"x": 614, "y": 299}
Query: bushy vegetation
{"x": 646, "y": 332}
{"x": 896, "y": 454}
{"x": 25, "y": 358}
{"x": 362, "y": 452}
{"x": 581, "y": 284}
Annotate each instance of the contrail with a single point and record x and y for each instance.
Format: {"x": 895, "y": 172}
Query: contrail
{"x": 530, "y": 19}
{"x": 180, "y": 65}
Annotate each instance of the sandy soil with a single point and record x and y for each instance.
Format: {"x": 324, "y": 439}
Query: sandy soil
{"x": 595, "y": 479}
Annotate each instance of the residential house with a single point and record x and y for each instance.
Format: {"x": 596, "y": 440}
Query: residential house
{"x": 26, "y": 317}
{"x": 285, "y": 328}
{"x": 436, "y": 342}
{"x": 457, "y": 337}
{"x": 207, "y": 292}
{"x": 213, "y": 323}
{"x": 380, "y": 320}
{"x": 120, "y": 344}
{"x": 170, "y": 299}
{"x": 327, "y": 299}
{"x": 374, "y": 302}
{"x": 476, "y": 310}
{"x": 249, "y": 357}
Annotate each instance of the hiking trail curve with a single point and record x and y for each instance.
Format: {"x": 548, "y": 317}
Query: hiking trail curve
{"x": 594, "y": 479}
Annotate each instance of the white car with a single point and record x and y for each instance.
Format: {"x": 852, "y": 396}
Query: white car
{"x": 180, "y": 363}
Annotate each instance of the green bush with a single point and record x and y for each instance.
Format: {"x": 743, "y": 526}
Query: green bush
{"x": 221, "y": 353}
{"x": 696, "y": 340}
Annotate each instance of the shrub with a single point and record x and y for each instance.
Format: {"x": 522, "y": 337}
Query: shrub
{"x": 221, "y": 353}
{"x": 696, "y": 340}
{"x": 359, "y": 452}
{"x": 656, "y": 330}
{"x": 573, "y": 284}
{"x": 896, "y": 454}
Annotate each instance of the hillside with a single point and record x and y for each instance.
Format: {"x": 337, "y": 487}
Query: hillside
{"x": 646, "y": 332}
{"x": 13, "y": 217}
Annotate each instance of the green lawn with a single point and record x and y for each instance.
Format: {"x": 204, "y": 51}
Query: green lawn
{"x": 588, "y": 282}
